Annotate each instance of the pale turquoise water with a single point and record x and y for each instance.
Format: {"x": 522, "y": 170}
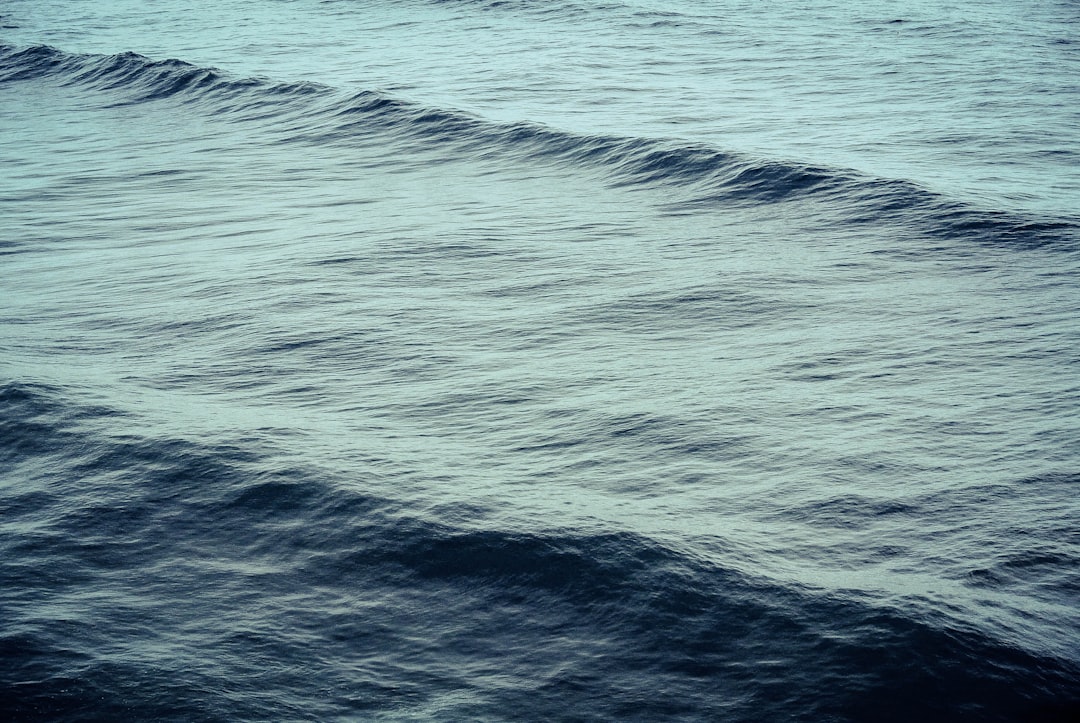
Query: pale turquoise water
{"x": 975, "y": 99}
{"x": 539, "y": 360}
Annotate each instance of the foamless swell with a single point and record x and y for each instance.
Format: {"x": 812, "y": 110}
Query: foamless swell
{"x": 166, "y": 579}
{"x": 693, "y": 176}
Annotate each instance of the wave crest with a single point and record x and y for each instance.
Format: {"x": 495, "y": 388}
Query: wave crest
{"x": 694, "y": 177}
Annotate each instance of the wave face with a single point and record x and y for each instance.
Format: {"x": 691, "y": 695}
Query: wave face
{"x": 500, "y": 360}
{"x": 168, "y": 580}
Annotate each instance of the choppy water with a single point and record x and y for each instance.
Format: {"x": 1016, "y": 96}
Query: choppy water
{"x": 539, "y": 361}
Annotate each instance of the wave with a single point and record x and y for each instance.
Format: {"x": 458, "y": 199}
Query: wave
{"x": 182, "y": 580}
{"x": 606, "y": 13}
{"x": 563, "y": 9}
{"x": 694, "y": 177}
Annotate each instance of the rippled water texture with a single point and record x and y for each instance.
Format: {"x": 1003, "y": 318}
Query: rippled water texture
{"x": 539, "y": 361}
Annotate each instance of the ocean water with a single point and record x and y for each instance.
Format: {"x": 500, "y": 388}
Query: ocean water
{"x": 516, "y": 360}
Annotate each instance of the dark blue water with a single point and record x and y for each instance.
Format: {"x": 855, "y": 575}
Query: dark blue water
{"x": 539, "y": 361}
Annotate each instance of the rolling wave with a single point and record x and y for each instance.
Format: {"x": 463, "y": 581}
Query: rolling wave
{"x": 693, "y": 177}
{"x": 233, "y": 564}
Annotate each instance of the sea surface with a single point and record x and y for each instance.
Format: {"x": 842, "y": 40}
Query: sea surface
{"x": 522, "y": 360}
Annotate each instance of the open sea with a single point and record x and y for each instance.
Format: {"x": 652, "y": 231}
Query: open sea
{"x": 539, "y": 360}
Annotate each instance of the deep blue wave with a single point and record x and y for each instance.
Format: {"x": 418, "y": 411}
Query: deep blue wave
{"x": 587, "y": 625}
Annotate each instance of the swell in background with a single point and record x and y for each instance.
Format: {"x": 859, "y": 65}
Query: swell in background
{"x": 977, "y": 100}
